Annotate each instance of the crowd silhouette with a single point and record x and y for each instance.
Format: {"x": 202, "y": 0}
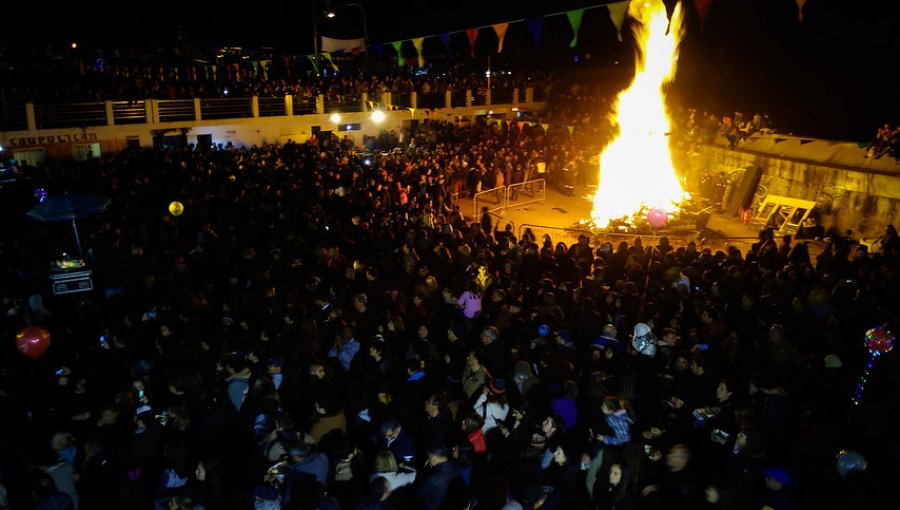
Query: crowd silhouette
{"x": 316, "y": 331}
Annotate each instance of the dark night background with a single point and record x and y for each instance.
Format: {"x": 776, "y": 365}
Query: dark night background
{"x": 835, "y": 75}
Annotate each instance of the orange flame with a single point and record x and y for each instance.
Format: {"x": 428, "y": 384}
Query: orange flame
{"x": 636, "y": 168}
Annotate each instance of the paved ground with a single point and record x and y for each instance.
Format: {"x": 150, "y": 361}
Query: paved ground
{"x": 560, "y": 217}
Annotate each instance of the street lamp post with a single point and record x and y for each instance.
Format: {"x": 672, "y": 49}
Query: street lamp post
{"x": 315, "y": 21}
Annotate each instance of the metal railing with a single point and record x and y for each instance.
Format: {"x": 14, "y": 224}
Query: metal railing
{"x": 701, "y": 238}
{"x": 129, "y": 112}
{"x": 514, "y": 195}
{"x": 175, "y": 110}
{"x": 569, "y": 236}
{"x": 345, "y": 104}
{"x": 229, "y": 108}
{"x": 494, "y": 199}
{"x": 271, "y": 107}
{"x": 70, "y": 114}
{"x": 527, "y": 192}
{"x": 17, "y": 116}
{"x": 14, "y": 117}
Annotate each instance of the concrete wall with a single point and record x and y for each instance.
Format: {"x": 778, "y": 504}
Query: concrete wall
{"x": 863, "y": 198}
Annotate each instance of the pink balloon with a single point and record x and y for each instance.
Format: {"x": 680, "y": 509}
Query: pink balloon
{"x": 33, "y": 341}
{"x": 657, "y": 217}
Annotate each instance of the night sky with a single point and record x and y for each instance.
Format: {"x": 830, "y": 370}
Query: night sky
{"x": 835, "y": 75}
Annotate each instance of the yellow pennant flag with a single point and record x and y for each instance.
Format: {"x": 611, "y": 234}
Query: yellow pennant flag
{"x": 412, "y": 111}
{"x": 500, "y": 29}
{"x": 571, "y": 130}
{"x": 617, "y": 15}
{"x": 327, "y": 56}
{"x": 544, "y": 127}
{"x": 417, "y": 42}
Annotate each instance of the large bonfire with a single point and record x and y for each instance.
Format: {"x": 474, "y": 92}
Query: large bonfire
{"x": 636, "y": 171}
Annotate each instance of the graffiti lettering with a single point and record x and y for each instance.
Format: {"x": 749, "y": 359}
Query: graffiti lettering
{"x": 50, "y": 139}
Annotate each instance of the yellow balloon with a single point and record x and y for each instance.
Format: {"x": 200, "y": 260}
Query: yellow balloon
{"x": 176, "y": 208}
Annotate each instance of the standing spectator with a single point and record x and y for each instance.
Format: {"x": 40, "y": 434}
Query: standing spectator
{"x": 617, "y": 494}
{"x": 475, "y": 376}
{"x": 431, "y": 491}
{"x": 492, "y": 405}
{"x": 345, "y": 347}
{"x": 470, "y": 304}
{"x": 398, "y": 441}
{"x": 495, "y": 353}
{"x": 238, "y": 380}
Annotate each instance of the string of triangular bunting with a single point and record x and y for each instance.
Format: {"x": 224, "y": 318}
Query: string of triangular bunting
{"x": 617, "y": 12}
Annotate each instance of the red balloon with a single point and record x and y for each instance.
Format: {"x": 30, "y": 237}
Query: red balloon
{"x": 33, "y": 341}
{"x": 879, "y": 341}
{"x": 657, "y": 217}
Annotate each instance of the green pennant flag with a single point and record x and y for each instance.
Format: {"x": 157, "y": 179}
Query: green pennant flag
{"x": 397, "y": 45}
{"x": 312, "y": 60}
{"x": 575, "y": 20}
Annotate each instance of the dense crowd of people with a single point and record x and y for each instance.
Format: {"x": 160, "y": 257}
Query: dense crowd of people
{"x": 319, "y": 332}
{"x": 220, "y": 74}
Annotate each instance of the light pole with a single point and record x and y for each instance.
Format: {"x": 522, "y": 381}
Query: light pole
{"x": 315, "y": 21}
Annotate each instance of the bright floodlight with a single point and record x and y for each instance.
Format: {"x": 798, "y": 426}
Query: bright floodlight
{"x": 335, "y": 117}
{"x": 378, "y": 116}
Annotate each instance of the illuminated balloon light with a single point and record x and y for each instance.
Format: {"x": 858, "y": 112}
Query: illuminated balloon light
{"x": 879, "y": 342}
{"x": 33, "y": 341}
{"x": 176, "y": 208}
{"x": 850, "y": 461}
{"x": 657, "y": 217}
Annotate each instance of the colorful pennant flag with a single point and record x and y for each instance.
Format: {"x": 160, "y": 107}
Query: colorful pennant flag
{"x": 417, "y": 43}
{"x": 536, "y": 27}
{"x": 617, "y": 13}
{"x": 397, "y": 45}
{"x": 575, "y": 20}
{"x": 472, "y": 34}
{"x": 500, "y": 29}
{"x": 445, "y": 38}
{"x": 800, "y": 4}
{"x": 702, "y": 7}
{"x": 327, "y": 56}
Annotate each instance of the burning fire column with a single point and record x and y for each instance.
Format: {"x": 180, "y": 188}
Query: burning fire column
{"x": 636, "y": 168}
